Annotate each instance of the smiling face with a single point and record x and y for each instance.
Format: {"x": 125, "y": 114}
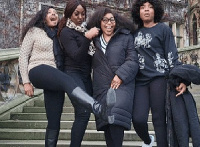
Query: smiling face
{"x": 78, "y": 16}
{"x": 51, "y": 18}
{"x": 108, "y": 24}
{"x": 147, "y": 13}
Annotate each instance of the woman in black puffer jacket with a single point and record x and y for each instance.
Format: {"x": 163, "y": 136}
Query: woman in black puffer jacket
{"x": 115, "y": 65}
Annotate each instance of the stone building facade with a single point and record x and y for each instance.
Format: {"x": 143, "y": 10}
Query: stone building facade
{"x": 15, "y": 14}
{"x": 194, "y": 19}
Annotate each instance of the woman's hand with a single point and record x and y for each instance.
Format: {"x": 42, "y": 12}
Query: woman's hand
{"x": 93, "y": 32}
{"x": 181, "y": 88}
{"x": 116, "y": 82}
{"x": 29, "y": 90}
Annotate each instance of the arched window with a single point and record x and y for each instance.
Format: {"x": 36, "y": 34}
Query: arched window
{"x": 194, "y": 27}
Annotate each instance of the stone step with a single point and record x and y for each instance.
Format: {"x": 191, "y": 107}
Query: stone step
{"x": 38, "y": 134}
{"x": 27, "y": 129}
{"x": 69, "y": 109}
{"x": 35, "y": 109}
{"x": 38, "y": 124}
{"x": 63, "y": 143}
{"x": 42, "y": 116}
{"x": 194, "y": 88}
{"x": 40, "y": 102}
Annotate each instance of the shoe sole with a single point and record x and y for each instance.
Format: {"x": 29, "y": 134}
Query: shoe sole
{"x": 110, "y": 101}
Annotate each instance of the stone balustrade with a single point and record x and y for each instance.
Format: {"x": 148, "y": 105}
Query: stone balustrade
{"x": 190, "y": 55}
{"x": 11, "y": 84}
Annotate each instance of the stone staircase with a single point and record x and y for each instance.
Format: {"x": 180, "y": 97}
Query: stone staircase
{"x": 27, "y": 128}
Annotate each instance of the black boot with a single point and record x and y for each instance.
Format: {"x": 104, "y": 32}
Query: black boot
{"x": 51, "y": 138}
{"x": 101, "y": 110}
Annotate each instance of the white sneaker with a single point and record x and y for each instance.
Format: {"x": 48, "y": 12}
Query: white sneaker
{"x": 151, "y": 144}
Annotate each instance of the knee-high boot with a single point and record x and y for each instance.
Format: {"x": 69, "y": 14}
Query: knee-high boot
{"x": 101, "y": 110}
{"x": 51, "y": 138}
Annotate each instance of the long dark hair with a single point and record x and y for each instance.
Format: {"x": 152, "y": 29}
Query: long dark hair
{"x": 121, "y": 21}
{"x": 158, "y": 11}
{"x": 37, "y": 21}
{"x": 69, "y": 9}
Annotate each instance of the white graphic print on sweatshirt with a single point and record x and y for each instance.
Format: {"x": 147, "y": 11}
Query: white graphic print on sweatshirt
{"x": 141, "y": 61}
{"x": 160, "y": 64}
{"x": 142, "y": 40}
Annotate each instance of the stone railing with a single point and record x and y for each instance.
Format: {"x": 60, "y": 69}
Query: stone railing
{"x": 10, "y": 83}
{"x": 190, "y": 55}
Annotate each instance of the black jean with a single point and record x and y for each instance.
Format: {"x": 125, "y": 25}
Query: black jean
{"x": 151, "y": 96}
{"x": 82, "y": 115}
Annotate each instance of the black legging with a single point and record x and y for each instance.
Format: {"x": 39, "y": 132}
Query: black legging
{"x": 54, "y": 83}
{"x": 49, "y": 78}
{"x": 151, "y": 96}
{"x": 54, "y": 106}
{"x": 114, "y": 135}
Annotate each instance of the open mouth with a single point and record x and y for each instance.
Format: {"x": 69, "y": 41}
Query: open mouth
{"x": 53, "y": 18}
{"x": 146, "y": 15}
{"x": 109, "y": 28}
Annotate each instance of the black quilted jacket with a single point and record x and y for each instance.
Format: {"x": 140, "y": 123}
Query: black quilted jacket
{"x": 182, "y": 117}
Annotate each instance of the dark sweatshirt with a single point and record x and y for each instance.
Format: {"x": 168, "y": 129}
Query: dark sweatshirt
{"x": 156, "y": 50}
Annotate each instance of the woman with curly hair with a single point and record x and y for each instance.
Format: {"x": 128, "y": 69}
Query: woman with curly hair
{"x": 41, "y": 64}
{"x": 115, "y": 65}
{"x": 157, "y": 52}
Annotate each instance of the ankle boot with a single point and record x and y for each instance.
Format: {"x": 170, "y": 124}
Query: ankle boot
{"x": 51, "y": 138}
{"x": 101, "y": 110}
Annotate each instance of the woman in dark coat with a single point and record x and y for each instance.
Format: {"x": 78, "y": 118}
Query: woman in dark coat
{"x": 77, "y": 62}
{"x": 115, "y": 65}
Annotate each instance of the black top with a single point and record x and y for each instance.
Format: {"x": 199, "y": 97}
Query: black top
{"x": 75, "y": 46}
{"x": 156, "y": 50}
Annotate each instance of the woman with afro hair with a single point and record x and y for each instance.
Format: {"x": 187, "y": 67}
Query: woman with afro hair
{"x": 157, "y": 52}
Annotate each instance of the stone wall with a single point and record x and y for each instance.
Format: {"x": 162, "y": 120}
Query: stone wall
{"x": 14, "y": 16}
{"x": 9, "y": 23}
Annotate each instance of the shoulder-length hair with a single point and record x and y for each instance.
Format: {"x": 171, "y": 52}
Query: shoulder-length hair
{"x": 69, "y": 9}
{"x": 158, "y": 11}
{"x": 37, "y": 21}
{"x": 121, "y": 21}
